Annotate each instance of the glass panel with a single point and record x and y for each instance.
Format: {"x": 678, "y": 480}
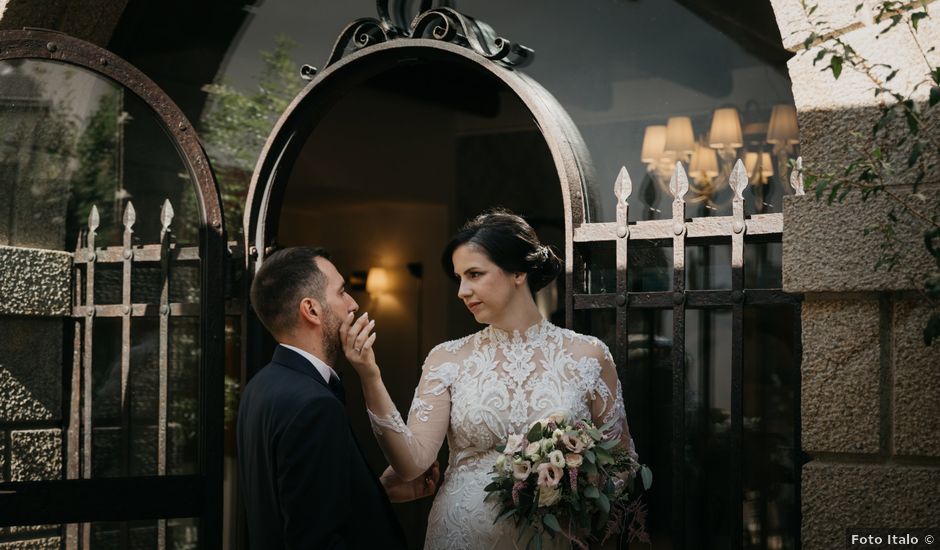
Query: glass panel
{"x": 649, "y": 268}
{"x": 600, "y": 261}
{"x": 181, "y": 534}
{"x": 763, "y": 265}
{"x": 709, "y": 267}
{"x": 771, "y": 420}
{"x": 647, "y": 393}
{"x": 708, "y": 424}
{"x": 69, "y": 140}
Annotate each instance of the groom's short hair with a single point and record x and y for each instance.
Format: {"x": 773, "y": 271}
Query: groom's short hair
{"x": 285, "y": 278}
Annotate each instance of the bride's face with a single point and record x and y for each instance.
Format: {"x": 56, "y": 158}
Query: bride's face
{"x": 485, "y": 288}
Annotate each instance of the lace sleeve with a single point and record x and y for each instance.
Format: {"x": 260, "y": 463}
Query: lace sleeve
{"x": 607, "y": 399}
{"x": 411, "y": 448}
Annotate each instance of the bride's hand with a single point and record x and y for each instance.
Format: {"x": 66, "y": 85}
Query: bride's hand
{"x": 357, "y": 339}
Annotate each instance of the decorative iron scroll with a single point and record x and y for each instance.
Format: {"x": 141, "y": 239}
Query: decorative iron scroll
{"x": 442, "y": 22}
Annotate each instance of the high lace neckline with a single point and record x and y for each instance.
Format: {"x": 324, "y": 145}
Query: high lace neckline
{"x": 533, "y": 334}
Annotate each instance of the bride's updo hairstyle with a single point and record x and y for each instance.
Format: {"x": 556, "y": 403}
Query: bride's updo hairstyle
{"x": 510, "y": 242}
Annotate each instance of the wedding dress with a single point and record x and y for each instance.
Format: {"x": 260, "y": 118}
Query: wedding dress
{"x": 479, "y": 389}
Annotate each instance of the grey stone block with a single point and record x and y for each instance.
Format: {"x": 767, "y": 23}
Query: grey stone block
{"x": 36, "y": 455}
{"x": 3, "y": 457}
{"x": 825, "y": 247}
{"x": 34, "y": 281}
{"x": 839, "y": 496}
{"x": 91, "y": 21}
{"x": 916, "y": 383}
{"x": 840, "y": 376}
{"x": 46, "y": 543}
{"x": 30, "y": 369}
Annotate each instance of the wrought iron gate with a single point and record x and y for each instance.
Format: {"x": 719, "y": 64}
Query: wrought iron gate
{"x": 678, "y": 232}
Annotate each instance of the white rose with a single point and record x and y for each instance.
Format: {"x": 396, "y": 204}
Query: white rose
{"x": 556, "y": 435}
{"x": 547, "y": 446}
{"x": 532, "y": 451}
{"x": 501, "y": 463}
{"x": 513, "y": 444}
{"x": 521, "y": 469}
{"x": 557, "y": 459}
{"x": 549, "y": 496}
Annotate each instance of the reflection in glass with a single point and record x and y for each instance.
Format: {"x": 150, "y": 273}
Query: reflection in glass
{"x": 771, "y": 463}
{"x": 708, "y": 426}
{"x": 70, "y": 140}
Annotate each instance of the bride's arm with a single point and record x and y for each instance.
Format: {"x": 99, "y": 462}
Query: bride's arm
{"x": 607, "y": 399}
{"x": 410, "y": 449}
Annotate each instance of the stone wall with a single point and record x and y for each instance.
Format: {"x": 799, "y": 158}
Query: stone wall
{"x": 870, "y": 387}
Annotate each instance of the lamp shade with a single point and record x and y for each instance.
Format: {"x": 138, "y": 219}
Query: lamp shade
{"x": 704, "y": 163}
{"x": 782, "y": 129}
{"x": 654, "y": 141}
{"x": 726, "y": 129}
{"x": 377, "y": 281}
{"x": 759, "y": 166}
{"x": 679, "y": 136}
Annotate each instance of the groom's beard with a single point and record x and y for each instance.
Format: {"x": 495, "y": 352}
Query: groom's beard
{"x": 331, "y": 343}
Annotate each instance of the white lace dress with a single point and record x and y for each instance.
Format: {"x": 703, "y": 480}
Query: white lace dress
{"x": 479, "y": 389}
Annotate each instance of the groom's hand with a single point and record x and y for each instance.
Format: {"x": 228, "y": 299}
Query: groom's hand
{"x": 399, "y": 490}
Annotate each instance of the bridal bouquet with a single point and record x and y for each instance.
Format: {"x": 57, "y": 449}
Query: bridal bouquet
{"x": 570, "y": 480}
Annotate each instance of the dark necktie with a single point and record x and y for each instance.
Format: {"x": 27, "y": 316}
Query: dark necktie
{"x": 336, "y": 386}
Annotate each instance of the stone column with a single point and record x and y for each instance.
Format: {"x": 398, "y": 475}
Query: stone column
{"x": 870, "y": 386}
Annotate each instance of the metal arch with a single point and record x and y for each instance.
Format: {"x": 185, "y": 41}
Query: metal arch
{"x": 569, "y": 153}
{"x": 55, "y": 46}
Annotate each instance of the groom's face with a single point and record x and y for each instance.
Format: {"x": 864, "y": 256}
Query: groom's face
{"x": 337, "y": 303}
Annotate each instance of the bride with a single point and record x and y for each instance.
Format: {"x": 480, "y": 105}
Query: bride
{"x": 479, "y": 389}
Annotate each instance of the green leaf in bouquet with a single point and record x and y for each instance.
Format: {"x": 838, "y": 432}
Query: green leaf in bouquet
{"x": 603, "y": 457}
{"x": 535, "y": 433}
{"x": 551, "y": 522}
{"x": 647, "y": 475}
{"x": 603, "y": 503}
{"x": 595, "y": 434}
{"x": 506, "y": 514}
{"x": 609, "y": 444}
{"x": 591, "y": 492}
{"x": 588, "y": 467}
{"x": 589, "y": 456}
{"x": 500, "y": 448}
{"x": 493, "y": 486}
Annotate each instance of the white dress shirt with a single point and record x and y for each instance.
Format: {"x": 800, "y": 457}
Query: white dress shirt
{"x": 325, "y": 370}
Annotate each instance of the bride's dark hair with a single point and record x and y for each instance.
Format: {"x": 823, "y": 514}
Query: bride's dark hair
{"x": 510, "y": 242}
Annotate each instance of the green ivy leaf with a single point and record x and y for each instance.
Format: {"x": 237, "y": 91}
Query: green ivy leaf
{"x": 591, "y": 492}
{"x": 836, "y": 65}
{"x": 916, "y": 17}
{"x": 912, "y": 123}
{"x": 603, "y": 503}
{"x": 535, "y": 433}
{"x": 934, "y": 95}
{"x": 916, "y": 151}
{"x": 822, "y": 53}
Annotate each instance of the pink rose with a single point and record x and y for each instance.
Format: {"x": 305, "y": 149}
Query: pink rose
{"x": 549, "y": 475}
{"x": 573, "y": 460}
{"x": 573, "y": 443}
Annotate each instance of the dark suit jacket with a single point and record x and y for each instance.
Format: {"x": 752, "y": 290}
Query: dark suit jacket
{"x": 304, "y": 480}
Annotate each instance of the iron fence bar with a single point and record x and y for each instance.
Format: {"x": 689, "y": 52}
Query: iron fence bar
{"x": 679, "y": 186}
{"x": 73, "y": 444}
{"x": 757, "y": 225}
{"x": 127, "y": 254}
{"x": 144, "y": 253}
{"x": 695, "y": 299}
{"x": 166, "y": 218}
{"x": 87, "y": 383}
{"x": 622, "y": 189}
{"x": 138, "y": 310}
{"x": 737, "y": 182}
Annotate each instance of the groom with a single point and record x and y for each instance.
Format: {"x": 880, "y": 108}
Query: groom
{"x": 304, "y": 480}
